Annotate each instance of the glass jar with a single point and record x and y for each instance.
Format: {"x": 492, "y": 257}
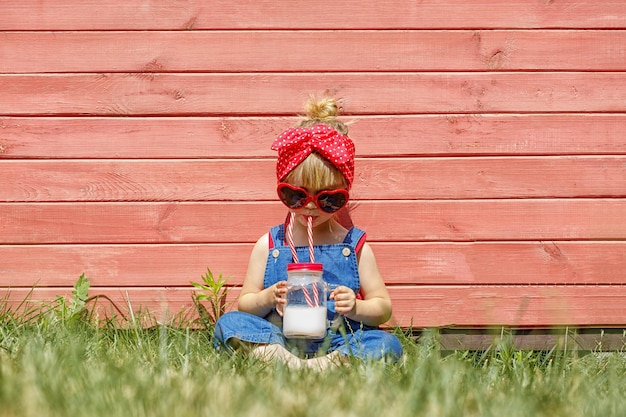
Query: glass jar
{"x": 304, "y": 315}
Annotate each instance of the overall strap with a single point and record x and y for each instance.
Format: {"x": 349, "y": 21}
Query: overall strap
{"x": 355, "y": 238}
{"x": 276, "y": 234}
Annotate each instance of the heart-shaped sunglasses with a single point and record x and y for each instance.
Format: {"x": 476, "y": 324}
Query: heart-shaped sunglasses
{"x": 328, "y": 201}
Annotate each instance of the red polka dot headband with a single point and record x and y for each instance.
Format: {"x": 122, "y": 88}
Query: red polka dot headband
{"x": 295, "y": 144}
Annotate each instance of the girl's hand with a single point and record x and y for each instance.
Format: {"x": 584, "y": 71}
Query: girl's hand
{"x": 345, "y": 300}
{"x": 279, "y": 293}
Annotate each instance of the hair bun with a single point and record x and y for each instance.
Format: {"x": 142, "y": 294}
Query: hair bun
{"x": 325, "y": 109}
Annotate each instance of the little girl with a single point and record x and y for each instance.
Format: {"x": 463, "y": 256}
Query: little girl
{"x": 315, "y": 170}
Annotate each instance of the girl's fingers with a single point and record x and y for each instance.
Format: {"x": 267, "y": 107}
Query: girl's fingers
{"x": 280, "y": 289}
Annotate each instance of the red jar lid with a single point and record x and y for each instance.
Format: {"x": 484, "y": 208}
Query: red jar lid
{"x": 305, "y": 266}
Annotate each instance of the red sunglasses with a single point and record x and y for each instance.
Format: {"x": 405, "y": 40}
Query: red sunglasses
{"x": 328, "y": 201}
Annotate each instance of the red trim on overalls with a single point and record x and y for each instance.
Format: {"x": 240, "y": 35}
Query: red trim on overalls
{"x": 357, "y": 248}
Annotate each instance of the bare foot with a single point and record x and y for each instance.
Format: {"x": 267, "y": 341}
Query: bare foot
{"x": 277, "y": 352}
{"x": 324, "y": 362}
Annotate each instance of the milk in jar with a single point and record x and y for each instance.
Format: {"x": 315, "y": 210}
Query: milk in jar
{"x": 305, "y": 315}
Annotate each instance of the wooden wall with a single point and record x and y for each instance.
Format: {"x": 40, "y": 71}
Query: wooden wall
{"x": 491, "y": 147}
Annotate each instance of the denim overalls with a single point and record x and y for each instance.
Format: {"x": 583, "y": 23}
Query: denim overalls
{"x": 340, "y": 268}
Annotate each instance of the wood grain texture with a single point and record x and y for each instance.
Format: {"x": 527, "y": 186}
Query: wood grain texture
{"x": 427, "y": 306}
{"x": 251, "y": 137}
{"x": 379, "y": 179}
{"x": 286, "y": 14}
{"x": 280, "y": 94}
{"x": 240, "y": 222}
{"x": 319, "y": 51}
{"x": 481, "y": 263}
{"x": 542, "y": 306}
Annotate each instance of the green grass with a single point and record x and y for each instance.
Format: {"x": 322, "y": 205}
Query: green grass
{"x": 53, "y": 365}
{"x": 60, "y": 360}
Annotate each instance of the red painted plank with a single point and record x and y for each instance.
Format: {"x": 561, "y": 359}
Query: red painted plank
{"x": 417, "y": 307}
{"x": 130, "y": 137}
{"x": 244, "y": 180}
{"x": 305, "y": 51}
{"x": 131, "y": 180}
{"x": 328, "y": 14}
{"x": 222, "y": 222}
{"x": 120, "y": 265}
{"x": 538, "y": 306}
{"x": 506, "y": 263}
{"x": 279, "y": 94}
{"x": 228, "y": 137}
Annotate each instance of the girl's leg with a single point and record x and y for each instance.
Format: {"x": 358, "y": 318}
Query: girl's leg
{"x": 368, "y": 344}
{"x": 235, "y": 328}
{"x": 255, "y": 336}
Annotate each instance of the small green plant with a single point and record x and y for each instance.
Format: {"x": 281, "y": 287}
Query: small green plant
{"x": 74, "y": 309}
{"x": 215, "y": 292}
{"x": 79, "y": 296}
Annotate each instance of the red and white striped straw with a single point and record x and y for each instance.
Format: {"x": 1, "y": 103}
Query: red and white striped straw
{"x": 309, "y": 229}
{"x": 294, "y": 254}
{"x": 307, "y": 297}
{"x": 316, "y": 295}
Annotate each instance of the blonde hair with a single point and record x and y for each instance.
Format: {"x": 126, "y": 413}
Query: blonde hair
{"x": 324, "y": 110}
{"x": 315, "y": 172}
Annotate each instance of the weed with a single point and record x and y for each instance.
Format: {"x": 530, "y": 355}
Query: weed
{"x": 215, "y": 292}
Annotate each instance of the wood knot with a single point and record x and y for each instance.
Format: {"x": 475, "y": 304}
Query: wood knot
{"x": 496, "y": 60}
